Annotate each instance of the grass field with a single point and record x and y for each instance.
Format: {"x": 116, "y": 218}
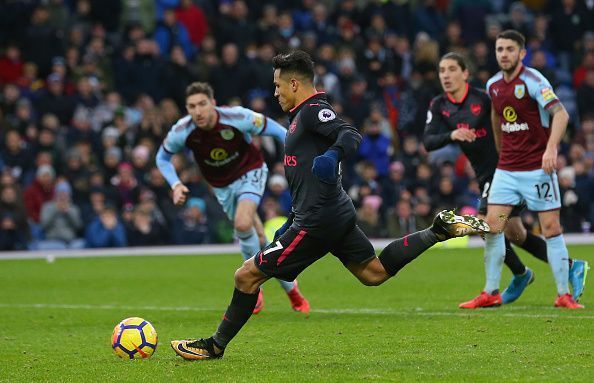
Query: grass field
{"x": 56, "y": 320}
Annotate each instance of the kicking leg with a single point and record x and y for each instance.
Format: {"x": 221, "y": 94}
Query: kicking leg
{"x": 247, "y": 286}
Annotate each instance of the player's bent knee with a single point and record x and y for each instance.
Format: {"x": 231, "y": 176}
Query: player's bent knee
{"x": 243, "y": 225}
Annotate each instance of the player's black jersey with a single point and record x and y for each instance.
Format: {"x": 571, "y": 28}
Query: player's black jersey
{"x": 472, "y": 112}
{"x": 314, "y": 127}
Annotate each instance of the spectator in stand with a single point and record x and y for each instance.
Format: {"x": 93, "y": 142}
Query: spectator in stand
{"x": 375, "y": 147}
{"x": 585, "y": 93}
{"x": 194, "y": 19}
{"x": 39, "y": 192}
{"x": 368, "y": 216}
{"x": 143, "y": 231}
{"x": 279, "y": 190}
{"x": 55, "y": 101}
{"x": 14, "y": 218}
{"x": 16, "y": 156}
{"x": 61, "y": 221}
{"x": 11, "y": 65}
{"x": 400, "y": 220}
{"x": 170, "y": 32}
{"x": 574, "y": 210}
{"x": 106, "y": 230}
{"x": 191, "y": 225}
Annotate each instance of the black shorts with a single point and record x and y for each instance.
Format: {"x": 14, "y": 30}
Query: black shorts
{"x": 296, "y": 249}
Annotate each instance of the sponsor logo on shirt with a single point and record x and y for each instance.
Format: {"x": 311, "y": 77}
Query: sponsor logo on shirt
{"x": 218, "y": 154}
{"x": 510, "y": 115}
{"x": 520, "y": 91}
{"x": 222, "y": 162}
{"x": 290, "y": 161}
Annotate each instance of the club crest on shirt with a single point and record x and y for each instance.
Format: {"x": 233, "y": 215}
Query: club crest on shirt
{"x": 326, "y": 115}
{"x": 258, "y": 120}
{"x": 520, "y": 91}
{"x": 227, "y": 134}
{"x": 475, "y": 109}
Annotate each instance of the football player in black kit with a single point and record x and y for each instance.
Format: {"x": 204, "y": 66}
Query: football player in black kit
{"x": 323, "y": 218}
{"x": 462, "y": 115}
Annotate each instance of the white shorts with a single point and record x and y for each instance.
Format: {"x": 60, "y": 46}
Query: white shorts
{"x": 539, "y": 189}
{"x": 249, "y": 186}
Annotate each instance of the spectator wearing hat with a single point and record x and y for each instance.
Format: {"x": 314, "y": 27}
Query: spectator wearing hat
{"x": 278, "y": 188}
{"x": 61, "y": 221}
{"x": 106, "y": 230}
{"x": 191, "y": 225}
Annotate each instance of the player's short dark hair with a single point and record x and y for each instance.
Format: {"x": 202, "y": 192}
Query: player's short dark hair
{"x": 457, "y": 57}
{"x": 296, "y": 62}
{"x": 512, "y": 34}
{"x": 199, "y": 88}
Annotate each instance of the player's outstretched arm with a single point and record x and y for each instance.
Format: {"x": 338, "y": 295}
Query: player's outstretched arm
{"x": 166, "y": 168}
{"x": 558, "y": 127}
{"x": 275, "y": 130}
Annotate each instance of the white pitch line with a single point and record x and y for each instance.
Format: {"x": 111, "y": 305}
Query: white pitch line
{"x": 356, "y": 311}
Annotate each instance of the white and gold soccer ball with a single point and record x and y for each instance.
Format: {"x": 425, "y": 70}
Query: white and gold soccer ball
{"x": 134, "y": 338}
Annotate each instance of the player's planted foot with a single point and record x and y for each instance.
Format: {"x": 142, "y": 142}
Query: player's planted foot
{"x": 577, "y": 277}
{"x": 517, "y": 286}
{"x": 298, "y": 301}
{"x": 566, "y": 301}
{"x": 259, "y": 303}
{"x": 197, "y": 349}
{"x": 448, "y": 225}
{"x": 483, "y": 300}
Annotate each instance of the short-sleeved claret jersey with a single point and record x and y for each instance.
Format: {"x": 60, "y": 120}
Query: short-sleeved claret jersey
{"x": 224, "y": 153}
{"x": 314, "y": 128}
{"x": 473, "y": 112}
{"x": 521, "y": 105}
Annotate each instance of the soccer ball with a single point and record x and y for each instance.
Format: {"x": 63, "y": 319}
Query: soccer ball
{"x": 134, "y": 338}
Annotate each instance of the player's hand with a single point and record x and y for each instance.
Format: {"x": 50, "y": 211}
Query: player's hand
{"x": 549, "y": 160}
{"x": 467, "y": 135}
{"x": 325, "y": 166}
{"x": 180, "y": 194}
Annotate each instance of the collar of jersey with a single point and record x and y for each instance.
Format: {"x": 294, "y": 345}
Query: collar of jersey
{"x": 302, "y": 102}
{"x": 518, "y": 75}
{"x": 453, "y": 101}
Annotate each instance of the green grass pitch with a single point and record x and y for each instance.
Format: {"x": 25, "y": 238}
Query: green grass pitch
{"x": 56, "y": 320}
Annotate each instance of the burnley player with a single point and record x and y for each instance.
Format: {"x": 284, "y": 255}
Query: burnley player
{"x": 323, "y": 218}
{"x": 528, "y": 121}
{"x": 220, "y": 139}
{"x": 462, "y": 115}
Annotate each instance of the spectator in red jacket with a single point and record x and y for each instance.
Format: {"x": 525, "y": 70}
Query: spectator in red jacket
{"x": 39, "y": 192}
{"x": 11, "y": 65}
{"x": 193, "y": 18}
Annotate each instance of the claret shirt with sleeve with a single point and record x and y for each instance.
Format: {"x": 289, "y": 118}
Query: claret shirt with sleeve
{"x": 522, "y": 105}
{"x": 314, "y": 128}
{"x": 226, "y": 152}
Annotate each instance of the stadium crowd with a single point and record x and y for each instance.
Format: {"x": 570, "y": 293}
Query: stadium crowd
{"x": 89, "y": 89}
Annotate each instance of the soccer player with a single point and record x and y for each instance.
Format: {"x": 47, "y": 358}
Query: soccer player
{"x": 323, "y": 218}
{"x": 462, "y": 115}
{"x": 220, "y": 139}
{"x": 528, "y": 123}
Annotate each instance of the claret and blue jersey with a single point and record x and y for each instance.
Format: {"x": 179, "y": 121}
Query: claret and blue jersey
{"x": 522, "y": 105}
{"x": 226, "y": 152}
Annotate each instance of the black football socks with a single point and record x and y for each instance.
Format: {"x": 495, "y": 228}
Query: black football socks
{"x": 512, "y": 260}
{"x": 239, "y": 311}
{"x": 403, "y": 250}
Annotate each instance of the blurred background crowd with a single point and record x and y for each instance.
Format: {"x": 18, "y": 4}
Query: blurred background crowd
{"x": 89, "y": 88}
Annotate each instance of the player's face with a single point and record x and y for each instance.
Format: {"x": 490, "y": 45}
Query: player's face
{"x": 451, "y": 75}
{"x": 283, "y": 91}
{"x": 202, "y": 110}
{"x": 508, "y": 54}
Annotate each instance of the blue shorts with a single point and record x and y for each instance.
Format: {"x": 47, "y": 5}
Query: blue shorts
{"x": 539, "y": 189}
{"x": 249, "y": 186}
